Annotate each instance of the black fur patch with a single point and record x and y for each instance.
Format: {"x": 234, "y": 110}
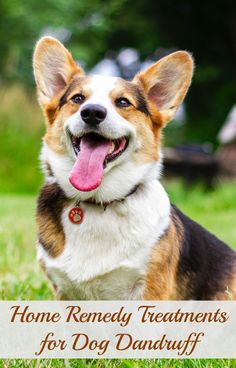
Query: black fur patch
{"x": 205, "y": 261}
{"x": 48, "y": 169}
{"x": 141, "y": 102}
{"x": 138, "y": 95}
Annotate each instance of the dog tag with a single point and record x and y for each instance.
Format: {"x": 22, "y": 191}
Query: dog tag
{"x": 76, "y": 215}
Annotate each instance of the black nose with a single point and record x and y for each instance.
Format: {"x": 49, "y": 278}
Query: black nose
{"x": 93, "y": 114}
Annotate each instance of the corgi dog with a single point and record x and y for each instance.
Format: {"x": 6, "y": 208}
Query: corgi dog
{"x": 106, "y": 228}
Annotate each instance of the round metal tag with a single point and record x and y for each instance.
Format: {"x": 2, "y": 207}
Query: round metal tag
{"x": 76, "y": 215}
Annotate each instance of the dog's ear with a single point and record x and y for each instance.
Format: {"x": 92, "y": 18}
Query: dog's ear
{"x": 166, "y": 82}
{"x": 54, "y": 67}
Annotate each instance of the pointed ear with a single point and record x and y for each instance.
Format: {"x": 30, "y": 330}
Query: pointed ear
{"x": 53, "y": 67}
{"x": 166, "y": 83}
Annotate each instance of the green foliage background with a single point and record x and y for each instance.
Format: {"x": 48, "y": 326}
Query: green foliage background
{"x": 207, "y": 29}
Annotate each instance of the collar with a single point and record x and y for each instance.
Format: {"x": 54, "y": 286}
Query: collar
{"x": 106, "y": 204}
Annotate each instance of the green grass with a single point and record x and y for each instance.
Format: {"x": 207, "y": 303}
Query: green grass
{"x": 20, "y": 275}
{"x": 115, "y": 363}
{"x": 21, "y": 129}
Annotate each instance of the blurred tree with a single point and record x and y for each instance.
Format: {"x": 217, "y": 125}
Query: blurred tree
{"x": 208, "y": 30}
{"x": 90, "y": 28}
{"x": 86, "y": 27}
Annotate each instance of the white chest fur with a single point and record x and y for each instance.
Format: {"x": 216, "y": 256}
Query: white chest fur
{"x": 105, "y": 257}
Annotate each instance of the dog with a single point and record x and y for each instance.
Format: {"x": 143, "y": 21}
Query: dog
{"x": 106, "y": 228}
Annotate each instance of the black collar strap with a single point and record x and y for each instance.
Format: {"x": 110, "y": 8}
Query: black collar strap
{"x": 106, "y": 204}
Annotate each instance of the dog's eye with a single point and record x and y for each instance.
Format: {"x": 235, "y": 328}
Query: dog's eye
{"x": 78, "y": 98}
{"x": 122, "y": 102}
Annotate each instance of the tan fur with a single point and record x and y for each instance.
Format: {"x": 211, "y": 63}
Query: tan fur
{"x": 162, "y": 268}
{"x": 149, "y": 144}
{"x": 143, "y": 123}
{"x": 50, "y": 231}
{"x": 57, "y": 115}
{"x": 54, "y": 136}
{"x": 52, "y": 239}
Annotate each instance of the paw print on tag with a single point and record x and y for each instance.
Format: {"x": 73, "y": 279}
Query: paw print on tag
{"x": 76, "y": 215}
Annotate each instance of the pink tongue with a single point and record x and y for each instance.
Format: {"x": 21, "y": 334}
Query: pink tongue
{"x": 87, "y": 171}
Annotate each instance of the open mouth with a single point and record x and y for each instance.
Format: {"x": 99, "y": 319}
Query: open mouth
{"x": 93, "y": 152}
{"x": 116, "y": 146}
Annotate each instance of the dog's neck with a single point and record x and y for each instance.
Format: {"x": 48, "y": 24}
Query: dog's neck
{"x": 106, "y": 204}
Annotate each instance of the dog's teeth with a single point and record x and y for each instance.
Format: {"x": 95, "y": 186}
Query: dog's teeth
{"x": 111, "y": 148}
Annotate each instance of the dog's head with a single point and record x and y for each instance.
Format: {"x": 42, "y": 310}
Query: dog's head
{"x": 103, "y": 133}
